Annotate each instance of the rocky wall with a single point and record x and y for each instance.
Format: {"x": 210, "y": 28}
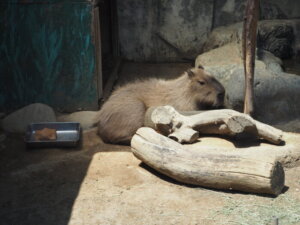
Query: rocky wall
{"x": 163, "y": 30}
{"x": 175, "y": 30}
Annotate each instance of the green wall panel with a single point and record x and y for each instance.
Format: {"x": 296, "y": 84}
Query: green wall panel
{"x": 47, "y": 54}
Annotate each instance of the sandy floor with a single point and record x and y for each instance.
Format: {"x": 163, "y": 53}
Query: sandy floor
{"x": 106, "y": 184}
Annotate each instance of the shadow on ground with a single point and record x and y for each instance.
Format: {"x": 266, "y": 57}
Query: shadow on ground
{"x": 39, "y": 186}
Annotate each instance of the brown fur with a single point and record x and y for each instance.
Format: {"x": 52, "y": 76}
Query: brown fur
{"x": 124, "y": 111}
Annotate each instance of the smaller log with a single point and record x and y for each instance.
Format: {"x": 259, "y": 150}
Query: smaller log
{"x": 226, "y": 171}
{"x": 186, "y": 129}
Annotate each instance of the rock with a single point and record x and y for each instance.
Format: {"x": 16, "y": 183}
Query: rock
{"x": 85, "y": 118}
{"x": 277, "y": 94}
{"x": 2, "y": 115}
{"x": 224, "y": 35}
{"x": 225, "y": 55}
{"x": 269, "y": 10}
{"x": 232, "y": 54}
{"x": 17, "y": 121}
{"x": 232, "y": 11}
{"x": 276, "y": 9}
{"x": 275, "y": 36}
{"x": 272, "y": 62}
{"x": 2, "y": 137}
{"x": 289, "y": 126}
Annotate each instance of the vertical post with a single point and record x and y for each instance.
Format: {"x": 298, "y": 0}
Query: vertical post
{"x": 249, "y": 47}
{"x": 276, "y": 221}
{"x": 114, "y": 28}
{"x": 98, "y": 47}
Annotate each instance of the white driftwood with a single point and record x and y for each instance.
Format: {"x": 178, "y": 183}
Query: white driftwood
{"x": 186, "y": 129}
{"x": 227, "y": 171}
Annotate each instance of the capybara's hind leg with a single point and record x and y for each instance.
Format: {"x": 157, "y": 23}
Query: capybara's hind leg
{"x": 118, "y": 123}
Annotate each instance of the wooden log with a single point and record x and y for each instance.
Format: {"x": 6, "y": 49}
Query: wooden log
{"x": 226, "y": 171}
{"x": 249, "y": 47}
{"x": 186, "y": 129}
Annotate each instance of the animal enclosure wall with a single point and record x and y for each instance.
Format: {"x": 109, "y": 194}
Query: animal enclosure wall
{"x": 49, "y": 53}
{"x": 173, "y": 30}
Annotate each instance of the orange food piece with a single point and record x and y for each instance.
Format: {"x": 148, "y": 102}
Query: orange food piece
{"x": 45, "y": 134}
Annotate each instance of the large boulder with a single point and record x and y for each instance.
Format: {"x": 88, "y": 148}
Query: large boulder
{"x": 276, "y": 36}
{"x": 17, "y": 121}
{"x": 277, "y": 94}
{"x": 231, "y": 54}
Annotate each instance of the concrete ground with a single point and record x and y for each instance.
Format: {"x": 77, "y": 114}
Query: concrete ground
{"x": 98, "y": 183}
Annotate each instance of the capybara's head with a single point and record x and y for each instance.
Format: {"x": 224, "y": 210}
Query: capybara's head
{"x": 207, "y": 91}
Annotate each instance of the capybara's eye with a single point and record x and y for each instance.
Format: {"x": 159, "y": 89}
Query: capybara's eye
{"x": 201, "y": 82}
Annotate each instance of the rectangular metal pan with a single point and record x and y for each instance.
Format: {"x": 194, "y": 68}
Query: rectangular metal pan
{"x": 68, "y": 134}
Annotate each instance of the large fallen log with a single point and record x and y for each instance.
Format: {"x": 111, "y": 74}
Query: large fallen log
{"x": 186, "y": 129}
{"x": 219, "y": 170}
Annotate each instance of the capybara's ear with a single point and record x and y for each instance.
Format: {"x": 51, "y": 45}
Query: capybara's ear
{"x": 190, "y": 73}
{"x": 200, "y": 67}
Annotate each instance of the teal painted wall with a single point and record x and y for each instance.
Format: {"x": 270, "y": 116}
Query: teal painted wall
{"x": 47, "y": 54}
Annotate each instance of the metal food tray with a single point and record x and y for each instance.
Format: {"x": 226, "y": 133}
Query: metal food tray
{"x": 68, "y": 134}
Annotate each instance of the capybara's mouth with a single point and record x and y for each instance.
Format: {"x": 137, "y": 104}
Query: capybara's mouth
{"x": 219, "y": 103}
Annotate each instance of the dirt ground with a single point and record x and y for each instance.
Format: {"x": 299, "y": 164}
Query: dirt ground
{"x": 99, "y": 184}
{"x": 105, "y": 184}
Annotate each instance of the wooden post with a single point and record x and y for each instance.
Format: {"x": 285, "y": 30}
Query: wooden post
{"x": 249, "y": 47}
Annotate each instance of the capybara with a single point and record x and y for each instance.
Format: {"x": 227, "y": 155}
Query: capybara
{"x": 123, "y": 113}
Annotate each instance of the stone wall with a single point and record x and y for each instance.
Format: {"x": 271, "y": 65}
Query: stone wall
{"x": 231, "y": 11}
{"x": 173, "y": 30}
{"x": 163, "y": 30}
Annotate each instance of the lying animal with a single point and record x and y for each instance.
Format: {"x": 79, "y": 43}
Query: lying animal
{"x": 123, "y": 113}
